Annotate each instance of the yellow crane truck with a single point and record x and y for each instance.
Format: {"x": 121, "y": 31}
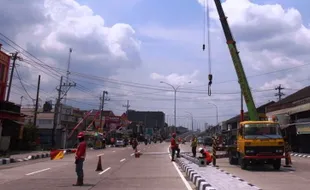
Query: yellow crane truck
{"x": 257, "y": 141}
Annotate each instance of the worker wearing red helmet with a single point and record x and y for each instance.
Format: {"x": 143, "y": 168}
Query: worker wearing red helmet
{"x": 206, "y": 155}
{"x": 79, "y": 159}
{"x": 174, "y": 147}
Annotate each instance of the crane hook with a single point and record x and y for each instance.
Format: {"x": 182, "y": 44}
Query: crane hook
{"x": 209, "y": 85}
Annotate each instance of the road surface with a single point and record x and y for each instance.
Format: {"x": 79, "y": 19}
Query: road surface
{"x": 297, "y": 177}
{"x": 121, "y": 170}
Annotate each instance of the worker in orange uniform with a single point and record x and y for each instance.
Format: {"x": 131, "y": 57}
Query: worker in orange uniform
{"x": 79, "y": 159}
{"x": 174, "y": 147}
{"x": 206, "y": 155}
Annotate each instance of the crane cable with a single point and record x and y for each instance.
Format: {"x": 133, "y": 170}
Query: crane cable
{"x": 206, "y": 20}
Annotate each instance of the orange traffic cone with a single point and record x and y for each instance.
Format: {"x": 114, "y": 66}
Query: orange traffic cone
{"x": 99, "y": 166}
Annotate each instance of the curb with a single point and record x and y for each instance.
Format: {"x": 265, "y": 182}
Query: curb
{"x": 233, "y": 176}
{"x": 4, "y": 161}
{"x": 201, "y": 184}
{"x": 300, "y": 155}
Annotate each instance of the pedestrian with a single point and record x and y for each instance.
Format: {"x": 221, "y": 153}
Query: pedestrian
{"x": 174, "y": 147}
{"x": 79, "y": 159}
{"x": 194, "y": 145}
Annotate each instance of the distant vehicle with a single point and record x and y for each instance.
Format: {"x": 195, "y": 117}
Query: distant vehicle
{"x": 207, "y": 141}
{"x": 120, "y": 142}
{"x": 200, "y": 140}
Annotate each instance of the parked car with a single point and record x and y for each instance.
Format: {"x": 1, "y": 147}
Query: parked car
{"x": 120, "y": 142}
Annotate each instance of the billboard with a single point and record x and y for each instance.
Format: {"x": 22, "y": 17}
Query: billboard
{"x": 4, "y": 73}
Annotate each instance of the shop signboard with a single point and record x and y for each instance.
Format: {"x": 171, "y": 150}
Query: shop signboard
{"x": 4, "y": 73}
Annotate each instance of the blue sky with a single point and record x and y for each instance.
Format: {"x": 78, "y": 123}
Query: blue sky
{"x": 166, "y": 45}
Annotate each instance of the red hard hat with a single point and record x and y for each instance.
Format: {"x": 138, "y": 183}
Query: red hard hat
{"x": 80, "y": 135}
{"x": 173, "y": 134}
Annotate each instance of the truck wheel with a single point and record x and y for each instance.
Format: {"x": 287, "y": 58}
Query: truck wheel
{"x": 232, "y": 159}
{"x": 242, "y": 163}
{"x": 277, "y": 164}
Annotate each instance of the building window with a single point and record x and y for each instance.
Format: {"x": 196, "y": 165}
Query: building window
{"x": 45, "y": 121}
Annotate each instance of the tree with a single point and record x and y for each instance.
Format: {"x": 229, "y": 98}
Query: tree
{"x": 30, "y": 135}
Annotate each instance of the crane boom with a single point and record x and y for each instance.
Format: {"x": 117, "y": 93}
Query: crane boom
{"x": 244, "y": 85}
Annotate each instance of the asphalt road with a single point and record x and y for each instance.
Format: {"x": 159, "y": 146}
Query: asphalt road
{"x": 297, "y": 177}
{"x": 121, "y": 170}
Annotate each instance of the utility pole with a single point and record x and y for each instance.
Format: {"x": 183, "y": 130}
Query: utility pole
{"x": 11, "y": 76}
{"x": 127, "y": 106}
{"x": 37, "y": 102}
{"x": 57, "y": 109}
{"x": 279, "y": 93}
{"x": 102, "y": 105}
{"x": 21, "y": 100}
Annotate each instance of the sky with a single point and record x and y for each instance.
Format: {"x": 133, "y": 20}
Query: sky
{"x": 127, "y": 47}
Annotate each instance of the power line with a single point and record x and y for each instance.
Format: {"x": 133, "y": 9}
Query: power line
{"x": 20, "y": 80}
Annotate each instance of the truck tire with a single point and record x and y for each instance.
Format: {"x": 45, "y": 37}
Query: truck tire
{"x": 232, "y": 160}
{"x": 242, "y": 163}
{"x": 277, "y": 164}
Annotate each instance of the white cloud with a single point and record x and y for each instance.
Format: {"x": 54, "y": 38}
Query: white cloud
{"x": 49, "y": 28}
{"x": 287, "y": 82}
{"x": 176, "y": 79}
{"x": 270, "y": 35}
{"x": 269, "y": 38}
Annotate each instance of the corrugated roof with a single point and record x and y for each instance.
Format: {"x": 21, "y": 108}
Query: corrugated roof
{"x": 260, "y": 109}
{"x": 299, "y": 95}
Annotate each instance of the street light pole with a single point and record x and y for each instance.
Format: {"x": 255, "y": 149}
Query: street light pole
{"x": 217, "y": 112}
{"x": 192, "y": 118}
{"x": 175, "y": 108}
{"x": 175, "y": 89}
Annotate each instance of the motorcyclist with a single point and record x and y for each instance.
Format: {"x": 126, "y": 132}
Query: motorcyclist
{"x": 134, "y": 143}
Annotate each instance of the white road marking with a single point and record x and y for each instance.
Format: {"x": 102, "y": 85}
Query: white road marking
{"x": 113, "y": 151}
{"x": 35, "y": 172}
{"x": 188, "y": 186}
{"x": 104, "y": 170}
{"x": 122, "y": 160}
{"x": 132, "y": 154}
{"x": 100, "y": 154}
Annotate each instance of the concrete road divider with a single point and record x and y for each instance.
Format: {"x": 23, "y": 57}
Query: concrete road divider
{"x": 194, "y": 177}
{"x": 4, "y": 161}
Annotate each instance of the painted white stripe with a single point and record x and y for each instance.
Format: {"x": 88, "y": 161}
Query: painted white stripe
{"x": 180, "y": 174}
{"x": 100, "y": 154}
{"x": 122, "y": 160}
{"x": 132, "y": 154}
{"x": 105, "y": 170}
{"x": 113, "y": 151}
{"x": 35, "y": 172}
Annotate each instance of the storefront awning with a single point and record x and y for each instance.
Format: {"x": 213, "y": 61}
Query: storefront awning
{"x": 303, "y": 128}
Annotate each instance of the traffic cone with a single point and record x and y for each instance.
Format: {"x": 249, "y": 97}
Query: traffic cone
{"x": 99, "y": 166}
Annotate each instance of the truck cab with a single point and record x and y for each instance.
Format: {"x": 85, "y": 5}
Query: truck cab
{"x": 258, "y": 142}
